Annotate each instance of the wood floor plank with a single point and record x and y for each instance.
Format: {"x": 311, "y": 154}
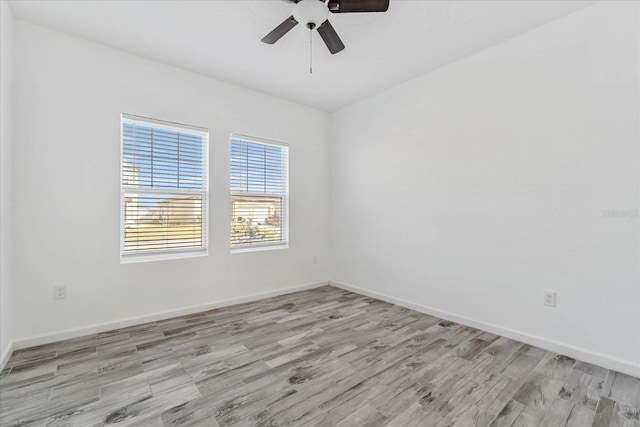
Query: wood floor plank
{"x": 625, "y": 389}
{"x": 508, "y": 414}
{"x": 367, "y": 415}
{"x": 538, "y": 391}
{"x": 322, "y": 357}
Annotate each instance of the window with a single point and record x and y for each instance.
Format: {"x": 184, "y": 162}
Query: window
{"x": 164, "y": 190}
{"x": 259, "y": 193}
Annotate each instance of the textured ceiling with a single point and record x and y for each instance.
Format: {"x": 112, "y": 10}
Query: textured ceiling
{"x": 221, "y": 39}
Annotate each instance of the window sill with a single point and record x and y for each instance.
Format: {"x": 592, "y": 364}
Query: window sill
{"x": 163, "y": 256}
{"x": 259, "y": 248}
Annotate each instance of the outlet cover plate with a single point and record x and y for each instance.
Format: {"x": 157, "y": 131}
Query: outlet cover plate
{"x": 59, "y": 292}
{"x": 550, "y": 299}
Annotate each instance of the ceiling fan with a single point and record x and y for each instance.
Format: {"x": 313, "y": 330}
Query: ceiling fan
{"x": 313, "y": 13}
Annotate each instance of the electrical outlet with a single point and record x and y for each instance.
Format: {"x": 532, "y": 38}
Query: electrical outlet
{"x": 315, "y": 259}
{"x": 59, "y": 292}
{"x": 549, "y": 299}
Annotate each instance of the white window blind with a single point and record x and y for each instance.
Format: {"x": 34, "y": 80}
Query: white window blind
{"x": 164, "y": 188}
{"x": 259, "y": 192}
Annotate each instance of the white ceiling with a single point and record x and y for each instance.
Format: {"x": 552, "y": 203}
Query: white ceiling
{"x": 221, "y": 39}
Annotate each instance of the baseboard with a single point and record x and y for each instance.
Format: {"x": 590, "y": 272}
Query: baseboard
{"x": 6, "y": 354}
{"x": 48, "y": 338}
{"x": 603, "y": 360}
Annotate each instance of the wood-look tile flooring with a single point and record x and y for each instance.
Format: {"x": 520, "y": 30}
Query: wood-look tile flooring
{"x": 322, "y": 357}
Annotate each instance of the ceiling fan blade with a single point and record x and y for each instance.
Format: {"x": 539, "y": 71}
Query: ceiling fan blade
{"x": 349, "y": 6}
{"x": 280, "y": 30}
{"x": 330, "y": 37}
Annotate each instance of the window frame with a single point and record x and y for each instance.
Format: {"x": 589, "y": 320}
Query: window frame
{"x": 175, "y": 253}
{"x": 284, "y": 196}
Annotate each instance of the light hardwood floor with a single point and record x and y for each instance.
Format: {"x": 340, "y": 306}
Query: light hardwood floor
{"x": 324, "y": 357}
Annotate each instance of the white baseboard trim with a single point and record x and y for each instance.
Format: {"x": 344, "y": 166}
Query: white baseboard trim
{"x": 603, "y": 360}
{"x": 6, "y": 354}
{"x": 52, "y": 337}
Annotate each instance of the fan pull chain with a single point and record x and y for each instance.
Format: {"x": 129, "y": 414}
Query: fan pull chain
{"x": 310, "y": 51}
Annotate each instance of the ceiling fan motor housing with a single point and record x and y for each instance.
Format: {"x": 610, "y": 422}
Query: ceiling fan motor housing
{"x": 312, "y": 13}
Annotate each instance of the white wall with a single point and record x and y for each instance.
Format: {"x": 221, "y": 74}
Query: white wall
{"x": 472, "y": 189}
{"x": 6, "y": 142}
{"x": 69, "y": 97}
